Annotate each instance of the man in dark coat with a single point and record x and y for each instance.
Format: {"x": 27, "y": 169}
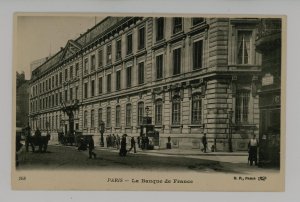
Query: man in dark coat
{"x": 18, "y": 148}
{"x": 37, "y": 134}
{"x": 252, "y": 148}
{"x": 204, "y": 142}
{"x": 123, "y": 150}
{"x": 91, "y": 148}
{"x": 132, "y": 142}
{"x": 28, "y": 139}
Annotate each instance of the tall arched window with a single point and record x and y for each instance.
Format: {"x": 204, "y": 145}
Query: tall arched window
{"x": 108, "y": 116}
{"x": 56, "y": 123}
{"x": 52, "y": 128}
{"x": 140, "y": 113}
{"x": 100, "y": 118}
{"x": 158, "y": 112}
{"x": 49, "y": 124}
{"x": 118, "y": 116}
{"x": 176, "y": 110}
{"x": 196, "y": 109}
{"x": 128, "y": 115}
{"x": 85, "y": 119}
{"x": 92, "y": 118}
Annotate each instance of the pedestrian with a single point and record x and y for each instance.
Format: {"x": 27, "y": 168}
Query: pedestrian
{"x": 118, "y": 141}
{"x": 143, "y": 142}
{"x": 139, "y": 141}
{"x": 147, "y": 141}
{"x": 204, "y": 142}
{"x": 91, "y": 147}
{"x": 37, "y": 133}
{"x": 107, "y": 141}
{"x": 123, "y": 150}
{"x": 19, "y": 146}
{"x": 132, "y": 141}
{"x": 114, "y": 140}
{"x": 28, "y": 139}
{"x": 252, "y": 149}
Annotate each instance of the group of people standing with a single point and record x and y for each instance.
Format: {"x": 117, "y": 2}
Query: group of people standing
{"x": 113, "y": 141}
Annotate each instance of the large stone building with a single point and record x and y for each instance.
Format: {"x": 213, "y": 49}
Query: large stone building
{"x": 194, "y": 76}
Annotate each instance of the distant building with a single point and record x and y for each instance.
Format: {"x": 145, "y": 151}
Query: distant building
{"x": 191, "y": 75}
{"x": 22, "y": 105}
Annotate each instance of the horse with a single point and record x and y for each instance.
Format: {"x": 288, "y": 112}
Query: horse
{"x": 40, "y": 141}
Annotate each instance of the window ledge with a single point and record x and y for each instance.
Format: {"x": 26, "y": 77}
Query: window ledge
{"x": 159, "y": 44}
{"x": 177, "y": 33}
{"x": 175, "y": 126}
{"x": 160, "y": 41}
{"x": 128, "y": 127}
{"x": 118, "y": 61}
{"x": 141, "y": 52}
{"x": 160, "y": 79}
{"x": 141, "y": 84}
{"x": 176, "y": 75}
{"x": 198, "y": 25}
{"x": 119, "y": 127}
{"x": 108, "y": 66}
{"x": 158, "y": 126}
{"x": 196, "y": 125}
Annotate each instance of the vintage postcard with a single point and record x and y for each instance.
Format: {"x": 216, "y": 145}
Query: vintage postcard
{"x": 149, "y": 102}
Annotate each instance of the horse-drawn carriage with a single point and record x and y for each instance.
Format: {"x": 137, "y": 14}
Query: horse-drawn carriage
{"x": 40, "y": 141}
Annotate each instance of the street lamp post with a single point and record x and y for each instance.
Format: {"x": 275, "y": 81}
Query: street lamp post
{"x": 102, "y": 129}
{"x": 230, "y": 113}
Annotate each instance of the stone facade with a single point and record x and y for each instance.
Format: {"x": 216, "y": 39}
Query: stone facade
{"x": 201, "y": 87}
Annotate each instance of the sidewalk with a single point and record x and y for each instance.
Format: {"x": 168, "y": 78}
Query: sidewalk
{"x": 179, "y": 152}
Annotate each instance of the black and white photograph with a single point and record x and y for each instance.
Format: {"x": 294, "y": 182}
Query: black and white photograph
{"x": 149, "y": 102}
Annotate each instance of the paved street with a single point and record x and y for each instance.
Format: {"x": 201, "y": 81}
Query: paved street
{"x": 68, "y": 157}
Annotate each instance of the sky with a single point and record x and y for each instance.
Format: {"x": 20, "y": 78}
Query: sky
{"x": 40, "y": 36}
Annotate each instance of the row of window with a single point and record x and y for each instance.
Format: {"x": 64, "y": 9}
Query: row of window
{"x": 48, "y": 123}
{"x": 176, "y": 113}
{"x": 241, "y": 113}
{"x": 197, "y": 61}
{"x": 55, "y": 80}
{"x": 54, "y": 99}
